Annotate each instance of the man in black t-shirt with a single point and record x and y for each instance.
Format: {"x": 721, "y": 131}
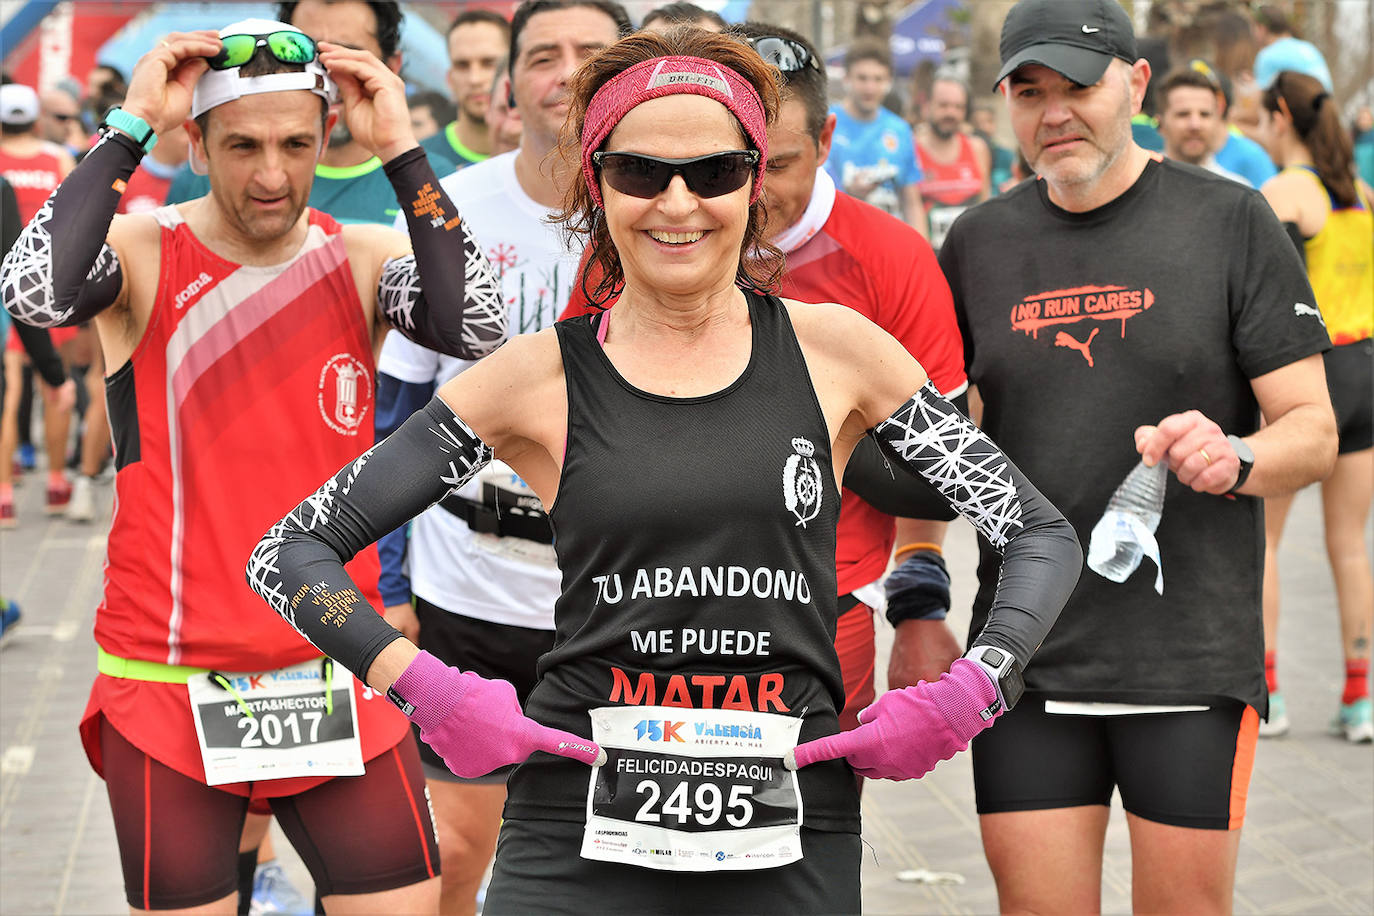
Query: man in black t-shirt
{"x": 1136, "y": 310}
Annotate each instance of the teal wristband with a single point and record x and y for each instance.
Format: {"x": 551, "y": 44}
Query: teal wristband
{"x": 134, "y": 126}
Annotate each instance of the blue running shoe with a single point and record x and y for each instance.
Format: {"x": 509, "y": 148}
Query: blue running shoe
{"x": 1355, "y": 721}
{"x": 28, "y": 458}
{"x": 9, "y": 619}
{"x": 273, "y": 892}
{"x": 1278, "y": 717}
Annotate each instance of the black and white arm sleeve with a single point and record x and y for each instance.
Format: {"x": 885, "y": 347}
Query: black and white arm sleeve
{"x": 37, "y": 342}
{"x": 60, "y": 271}
{"x": 891, "y": 488}
{"x": 1041, "y": 558}
{"x": 442, "y": 296}
{"x": 297, "y": 567}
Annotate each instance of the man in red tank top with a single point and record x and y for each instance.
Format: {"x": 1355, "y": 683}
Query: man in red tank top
{"x": 957, "y": 166}
{"x": 239, "y": 329}
{"x": 33, "y": 167}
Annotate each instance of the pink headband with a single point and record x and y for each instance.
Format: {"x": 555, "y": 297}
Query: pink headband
{"x": 662, "y": 76}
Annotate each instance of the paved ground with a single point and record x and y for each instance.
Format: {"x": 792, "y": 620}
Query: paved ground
{"x": 1308, "y": 845}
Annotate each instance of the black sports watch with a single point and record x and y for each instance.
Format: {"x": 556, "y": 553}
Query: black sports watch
{"x": 1247, "y": 461}
{"x": 1005, "y": 672}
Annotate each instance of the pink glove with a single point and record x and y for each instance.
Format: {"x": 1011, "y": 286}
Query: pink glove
{"x": 476, "y": 724}
{"x": 908, "y": 731}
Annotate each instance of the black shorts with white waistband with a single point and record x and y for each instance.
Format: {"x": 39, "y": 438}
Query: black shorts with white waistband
{"x": 1185, "y": 769}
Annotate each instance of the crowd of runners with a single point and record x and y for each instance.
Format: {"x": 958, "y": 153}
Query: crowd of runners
{"x": 504, "y": 493}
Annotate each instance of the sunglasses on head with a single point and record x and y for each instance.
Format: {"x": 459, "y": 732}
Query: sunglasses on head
{"x": 286, "y": 46}
{"x": 647, "y": 177}
{"x": 787, "y": 55}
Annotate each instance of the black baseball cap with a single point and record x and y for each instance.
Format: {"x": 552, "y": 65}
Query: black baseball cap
{"x": 1076, "y": 38}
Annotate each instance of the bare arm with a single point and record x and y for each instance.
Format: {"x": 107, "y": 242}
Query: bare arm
{"x": 984, "y": 156}
{"x": 1296, "y": 447}
{"x": 1297, "y": 200}
{"x": 914, "y": 210}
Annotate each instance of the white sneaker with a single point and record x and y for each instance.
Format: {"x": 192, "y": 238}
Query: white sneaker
{"x": 1277, "y": 723}
{"x": 273, "y": 892}
{"x": 81, "y": 508}
{"x": 1355, "y": 721}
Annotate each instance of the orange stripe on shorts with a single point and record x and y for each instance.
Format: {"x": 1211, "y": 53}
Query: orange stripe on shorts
{"x": 1246, "y": 739}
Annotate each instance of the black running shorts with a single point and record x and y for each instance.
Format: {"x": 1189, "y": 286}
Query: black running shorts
{"x": 493, "y": 650}
{"x": 1186, "y": 769}
{"x": 1350, "y": 379}
{"x": 538, "y": 870}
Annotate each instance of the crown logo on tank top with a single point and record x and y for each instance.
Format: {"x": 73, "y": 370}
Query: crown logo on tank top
{"x": 801, "y": 482}
{"x": 345, "y": 393}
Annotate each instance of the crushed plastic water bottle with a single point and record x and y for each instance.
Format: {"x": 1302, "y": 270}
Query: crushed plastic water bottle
{"x": 1126, "y": 532}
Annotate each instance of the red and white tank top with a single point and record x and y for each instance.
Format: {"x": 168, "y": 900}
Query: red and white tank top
{"x": 950, "y": 183}
{"x": 251, "y": 385}
{"x": 33, "y": 177}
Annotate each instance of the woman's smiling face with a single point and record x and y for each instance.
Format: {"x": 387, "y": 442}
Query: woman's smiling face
{"x": 677, "y": 241}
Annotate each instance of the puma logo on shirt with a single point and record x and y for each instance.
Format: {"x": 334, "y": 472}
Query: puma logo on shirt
{"x": 1063, "y": 339}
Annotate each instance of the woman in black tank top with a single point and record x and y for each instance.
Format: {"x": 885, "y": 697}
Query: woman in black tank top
{"x": 687, "y": 444}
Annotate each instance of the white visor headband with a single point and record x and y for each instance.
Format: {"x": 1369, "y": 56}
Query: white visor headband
{"x": 215, "y": 87}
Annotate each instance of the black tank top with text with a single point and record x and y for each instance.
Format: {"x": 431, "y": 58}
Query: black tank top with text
{"x": 696, "y": 537}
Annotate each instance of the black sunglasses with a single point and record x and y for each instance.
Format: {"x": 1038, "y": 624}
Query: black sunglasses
{"x": 287, "y": 46}
{"x": 787, "y": 55}
{"x": 648, "y": 176}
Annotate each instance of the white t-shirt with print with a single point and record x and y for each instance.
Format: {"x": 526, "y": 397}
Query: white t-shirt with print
{"x": 510, "y": 581}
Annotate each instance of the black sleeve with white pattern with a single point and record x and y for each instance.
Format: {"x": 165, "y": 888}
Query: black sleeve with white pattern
{"x": 37, "y": 342}
{"x": 1041, "y": 558}
{"x": 446, "y": 300}
{"x": 297, "y": 567}
{"x": 891, "y": 488}
{"x": 60, "y": 271}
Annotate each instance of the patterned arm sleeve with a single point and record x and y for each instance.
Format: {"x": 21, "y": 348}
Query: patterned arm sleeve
{"x": 60, "y": 271}
{"x": 1041, "y": 558}
{"x": 37, "y": 342}
{"x": 297, "y": 567}
{"x": 446, "y": 300}
{"x": 396, "y": 401}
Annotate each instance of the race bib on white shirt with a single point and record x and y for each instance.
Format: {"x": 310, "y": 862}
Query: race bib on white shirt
{"x": 277, "y": 724}
{"x": 693, "y": 789}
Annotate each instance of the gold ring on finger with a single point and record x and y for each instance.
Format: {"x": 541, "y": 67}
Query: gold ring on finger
{"x": 1205, "y": 457}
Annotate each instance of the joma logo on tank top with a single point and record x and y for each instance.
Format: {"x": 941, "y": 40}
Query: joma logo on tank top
{"x": 195, "y": 286}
